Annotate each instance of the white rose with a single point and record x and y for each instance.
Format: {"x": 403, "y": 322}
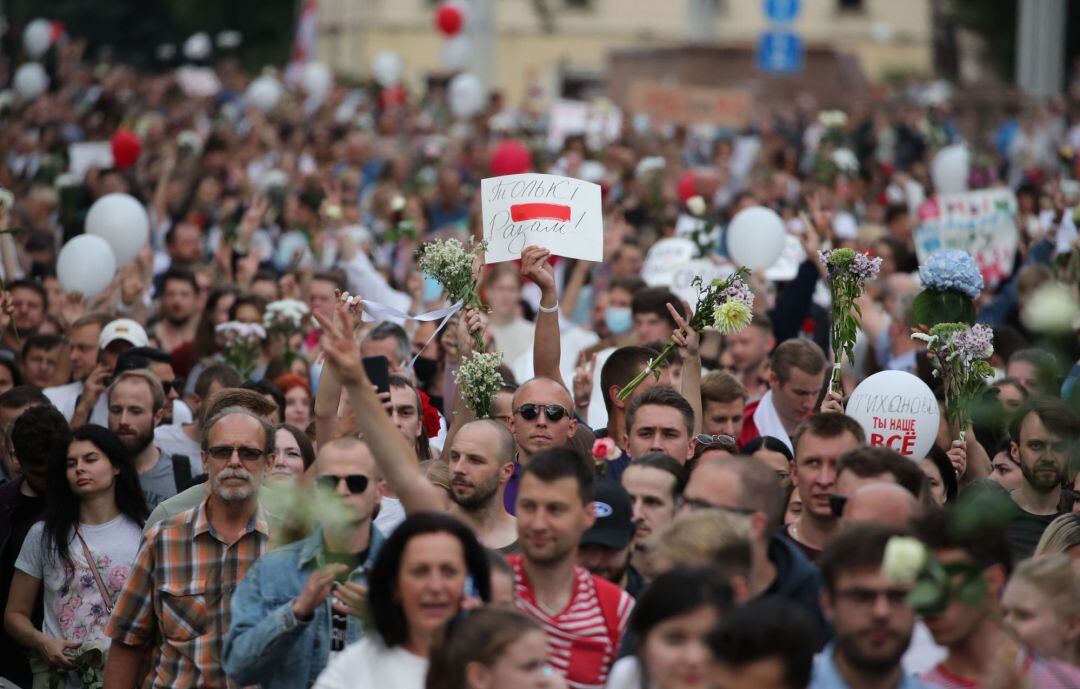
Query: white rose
{"x": 1051, "y": 309}
{"x": 845, "y": 160}
{"x": 397, "y": 204}
{"x": 696, "y": 205}
{"x": 904, "y": 558}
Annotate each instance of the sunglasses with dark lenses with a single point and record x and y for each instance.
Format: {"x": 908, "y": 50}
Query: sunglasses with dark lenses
{"x": 170, "y": 385}
{"x": 837, "y": 504}
{"x": 356, "y": 483}
{"x": 530, "y": 411}
{"x": 225, "y": 452}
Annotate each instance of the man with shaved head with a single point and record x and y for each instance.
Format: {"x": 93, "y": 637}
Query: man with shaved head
{"x": 883, "y": 503}
{"x": 543, "y": 418}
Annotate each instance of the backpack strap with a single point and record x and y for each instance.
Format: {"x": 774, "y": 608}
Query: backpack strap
{"x": 181, "y": 467}
{"x": 609, "y": 597}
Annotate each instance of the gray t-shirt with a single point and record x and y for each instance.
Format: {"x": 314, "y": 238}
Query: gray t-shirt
{"x": 159, "y": 482}
{"x": 173, "y": 440}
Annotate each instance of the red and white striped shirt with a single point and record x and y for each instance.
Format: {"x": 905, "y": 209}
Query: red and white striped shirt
{"x": 583, "y": 639}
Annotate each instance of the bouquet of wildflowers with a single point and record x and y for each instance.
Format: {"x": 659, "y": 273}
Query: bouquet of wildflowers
{"x": 478, "y": 381}
{"x": 241, "y": 345}
{"x": 451, "y": 263}
{"x": 294, "y": 510}
{"x": 951, "y": 284}
{"x": 849, "y": 271}
{"x": 286, "y": 317}
{"x": 958, "y": 354}
{"x": 89, "y": 665}
{"x": 726, "y": 305}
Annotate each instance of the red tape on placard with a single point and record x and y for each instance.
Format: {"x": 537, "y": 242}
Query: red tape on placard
{"x": 539, "y": 211}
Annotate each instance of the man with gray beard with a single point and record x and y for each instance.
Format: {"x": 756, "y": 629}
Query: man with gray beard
{"x": 175, "y": 606}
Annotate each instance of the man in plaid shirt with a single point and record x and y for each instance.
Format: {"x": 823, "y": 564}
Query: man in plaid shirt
{"x": 175, "y": 604}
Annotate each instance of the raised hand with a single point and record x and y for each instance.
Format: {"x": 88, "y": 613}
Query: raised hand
{"x": 686, "y": 337}
{"x": 316, "y": 589}
{"x": 535, "y": 266}
{"x": 342, "y": 354}
{"x": 472, "y": 326}
{"x": 583, "y": 381}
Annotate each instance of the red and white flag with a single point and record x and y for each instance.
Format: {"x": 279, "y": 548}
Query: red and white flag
{"x": 306, "y": 42}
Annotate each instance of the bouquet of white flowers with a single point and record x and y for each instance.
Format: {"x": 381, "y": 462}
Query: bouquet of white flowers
{"x": 286, "y": 317}
{"x": 451, "y": 263}
{"x": 726, "y": 305}
{"x": 958, "y": 354}
{"x": 478, "y": 381}
{"x": 241, "y": 344}
{"x": 849, "y": 272}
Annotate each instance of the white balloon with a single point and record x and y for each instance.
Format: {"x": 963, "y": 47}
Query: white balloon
{"x": 37, "y": 37}
{"x": 897, "y": 410}
{"x": 264, "y": 92}
{"x": 198, "y": 46}
{"x": 30, "y": 81}
{"x": 755, "y": 237}
{"x": 121, "y": 221}
{"x": 86, "y": 264}
{"x": 950, "y": 169}
{"x": 455, "y": 52}
{"x": 467, "y": 95}
{"x": 387, "y": 68}
{"x": 317, "y": 80}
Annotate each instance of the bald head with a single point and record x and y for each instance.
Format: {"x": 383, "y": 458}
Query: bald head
{"x": 534, "y": 428}
{"x": 883, "y": 503}
{"x": 493, "y": 434}
{"x": 546, "y": 388}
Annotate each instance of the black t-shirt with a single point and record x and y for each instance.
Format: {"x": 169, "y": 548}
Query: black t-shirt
{"x": 1025, "y": 530}
{"x": 28, "y": 510}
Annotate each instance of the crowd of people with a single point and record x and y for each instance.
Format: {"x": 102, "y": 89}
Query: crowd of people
{"x": 724, "y": 526}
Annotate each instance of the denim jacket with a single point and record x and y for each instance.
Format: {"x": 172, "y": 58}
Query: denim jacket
{"x": 266, "y": 644}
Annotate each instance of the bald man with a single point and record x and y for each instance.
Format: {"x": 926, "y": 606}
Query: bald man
{"x": 543, "y": 418}
{"x": 883, "y": 503}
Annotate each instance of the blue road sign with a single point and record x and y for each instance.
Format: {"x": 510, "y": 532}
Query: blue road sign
{"x": 781, "y": 10}
{"x": 780, "y": 52}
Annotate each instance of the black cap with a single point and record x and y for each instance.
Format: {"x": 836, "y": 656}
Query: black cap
{"x": 614, "y": 525}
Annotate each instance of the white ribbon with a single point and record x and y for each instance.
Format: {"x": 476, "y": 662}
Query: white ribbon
{"x": 373, "y": 311}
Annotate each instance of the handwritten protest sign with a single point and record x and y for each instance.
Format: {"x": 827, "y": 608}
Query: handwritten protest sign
{"x": 897, "y": 410}
{"x": 85, "y": 155}
{"x": 981, "y": 223}
{"x": 561, "y": 214}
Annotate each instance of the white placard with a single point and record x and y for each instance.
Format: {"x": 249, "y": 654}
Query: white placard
{"x": 561, "y": 214}
{"x": 981, "y": 223}
{"x": 664, "y": 258}
{"x": 83, "y": 156}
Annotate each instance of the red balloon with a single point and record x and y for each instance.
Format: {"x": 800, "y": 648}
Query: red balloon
{"x": 686, "y": 186}
{"x": 126, "y": 148}
{"x": 510, "y": 157}
{"x": 449, "y": 18}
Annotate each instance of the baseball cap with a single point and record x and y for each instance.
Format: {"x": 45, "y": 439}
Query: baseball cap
{"x": 123, "y": 329}
{"x": 614, "y": 525}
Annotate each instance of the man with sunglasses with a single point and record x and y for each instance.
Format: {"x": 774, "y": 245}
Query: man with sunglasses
{"x": 869, "y": 613}
{"x": 299, "y": 605}
{"x": 176, "y": 602}
{"x": 542, "y": 420}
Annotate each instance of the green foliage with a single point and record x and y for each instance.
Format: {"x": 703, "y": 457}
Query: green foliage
{"x": 931, "y": 308}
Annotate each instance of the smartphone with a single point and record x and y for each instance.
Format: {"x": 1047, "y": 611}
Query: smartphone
{"x": 378, "y": 372}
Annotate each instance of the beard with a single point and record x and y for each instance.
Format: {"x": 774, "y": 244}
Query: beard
{"x": 473, "y": 496}
{"x": 233, "y": 493}
{"x": 135, "y": 444}
{"x": 1044, "y": 476}
{"x": 614, "y": 575}
{"x": 177, "y": 321}
{"x": 880, "y": 662}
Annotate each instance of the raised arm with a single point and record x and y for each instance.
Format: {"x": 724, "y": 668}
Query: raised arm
{"x": 471, "y": 321}
{"x": 689, "y": 341}
{"x": 395, "y": 456}
{"x": 547, "y": 344}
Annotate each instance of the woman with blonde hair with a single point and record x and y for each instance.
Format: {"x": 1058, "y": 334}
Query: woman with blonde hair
{"x": 1061, "y": 536}
{"x": 1041, "y": 603}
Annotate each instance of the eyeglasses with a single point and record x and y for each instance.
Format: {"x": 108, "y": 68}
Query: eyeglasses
{"x": 695, "y": 504}
{"x": 169, "y": 385}
{"x": 837, "y": 503}
{"x": 530, "y": 411}
{"x": 864, "y": 598}
{"x": 224, "y": 453}
{"x": 710, "y": 440}
{"x": 356, "y": 483}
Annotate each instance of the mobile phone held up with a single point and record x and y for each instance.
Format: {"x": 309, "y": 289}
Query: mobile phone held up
{"x": 377, "y": 369}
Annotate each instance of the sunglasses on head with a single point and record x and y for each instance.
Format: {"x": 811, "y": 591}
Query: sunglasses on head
{"x": 531, "y": 411}
{"x": 711, "y": 440}
{"x": 225, "y": 452}
{"x": 356, "y": 483}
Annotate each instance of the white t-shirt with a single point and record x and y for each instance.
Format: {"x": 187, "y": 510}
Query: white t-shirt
{"x": 391, "y": 514}
{"x": 369, "y": 664}
{"x": 625, "y": 674}
{"x": 74, "y": 608}
{"x": 66, "y": 397}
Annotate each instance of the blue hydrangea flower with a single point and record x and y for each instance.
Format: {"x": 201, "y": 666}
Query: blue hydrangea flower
{"x": 952, "y": 270}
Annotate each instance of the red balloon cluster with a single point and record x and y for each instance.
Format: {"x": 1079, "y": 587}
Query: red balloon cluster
{"x": 510, "y": 157}
{"x": 449, "y": 18}
{"x": 126, "y": 148}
